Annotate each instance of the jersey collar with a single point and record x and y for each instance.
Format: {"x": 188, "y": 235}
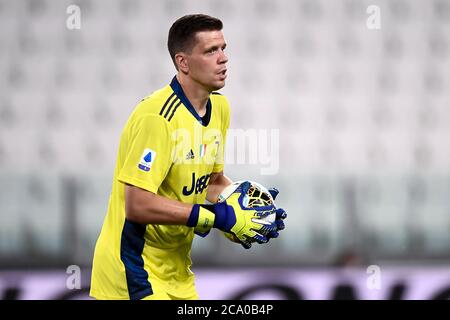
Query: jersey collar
{"x": 176, "y": 87}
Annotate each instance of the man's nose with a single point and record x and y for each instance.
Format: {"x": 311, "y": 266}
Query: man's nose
{"x": 223, "y": 57}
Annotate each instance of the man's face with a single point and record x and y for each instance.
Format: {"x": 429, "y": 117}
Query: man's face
{"x": 207, "y": 60}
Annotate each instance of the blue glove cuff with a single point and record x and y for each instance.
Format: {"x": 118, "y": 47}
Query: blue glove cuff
{"x": 193, "y": 218}
{"x": 224, "y": 219}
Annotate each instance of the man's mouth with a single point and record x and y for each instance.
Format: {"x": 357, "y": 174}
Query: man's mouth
{"x": 223, "y": 73}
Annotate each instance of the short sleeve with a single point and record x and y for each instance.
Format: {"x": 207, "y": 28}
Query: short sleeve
{"x": 220, "y": 158}
{"x": 148, "y": 156}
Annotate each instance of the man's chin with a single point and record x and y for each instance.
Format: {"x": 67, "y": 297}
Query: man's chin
{"x": 217, "y": 85}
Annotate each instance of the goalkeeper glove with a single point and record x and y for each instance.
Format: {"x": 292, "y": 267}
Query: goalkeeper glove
{"x": 233, "y": 217}
{"x": 280, "y": 215}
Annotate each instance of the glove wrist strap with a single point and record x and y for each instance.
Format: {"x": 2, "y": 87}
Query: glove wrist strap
{"x": 201, "y": 218}
{"x": 206, "y": 220}
{"x": 220, "y": 211}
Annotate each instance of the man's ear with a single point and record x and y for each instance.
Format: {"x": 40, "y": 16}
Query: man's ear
{"x": 181, "y": 60}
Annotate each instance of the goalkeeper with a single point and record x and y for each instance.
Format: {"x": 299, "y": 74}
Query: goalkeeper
{"x": 170, "y": 161}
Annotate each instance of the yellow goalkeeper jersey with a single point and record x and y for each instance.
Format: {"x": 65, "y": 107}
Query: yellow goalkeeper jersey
{"x": 168, "y": 149}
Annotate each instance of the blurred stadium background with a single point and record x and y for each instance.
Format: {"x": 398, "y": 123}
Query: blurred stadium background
{"x": 363, "y": 120}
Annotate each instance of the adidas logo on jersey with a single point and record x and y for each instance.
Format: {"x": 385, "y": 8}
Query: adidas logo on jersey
{"x": 190, "y": 155}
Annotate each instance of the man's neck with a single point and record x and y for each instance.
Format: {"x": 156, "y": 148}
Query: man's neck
{"x": 196, "y": 94}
